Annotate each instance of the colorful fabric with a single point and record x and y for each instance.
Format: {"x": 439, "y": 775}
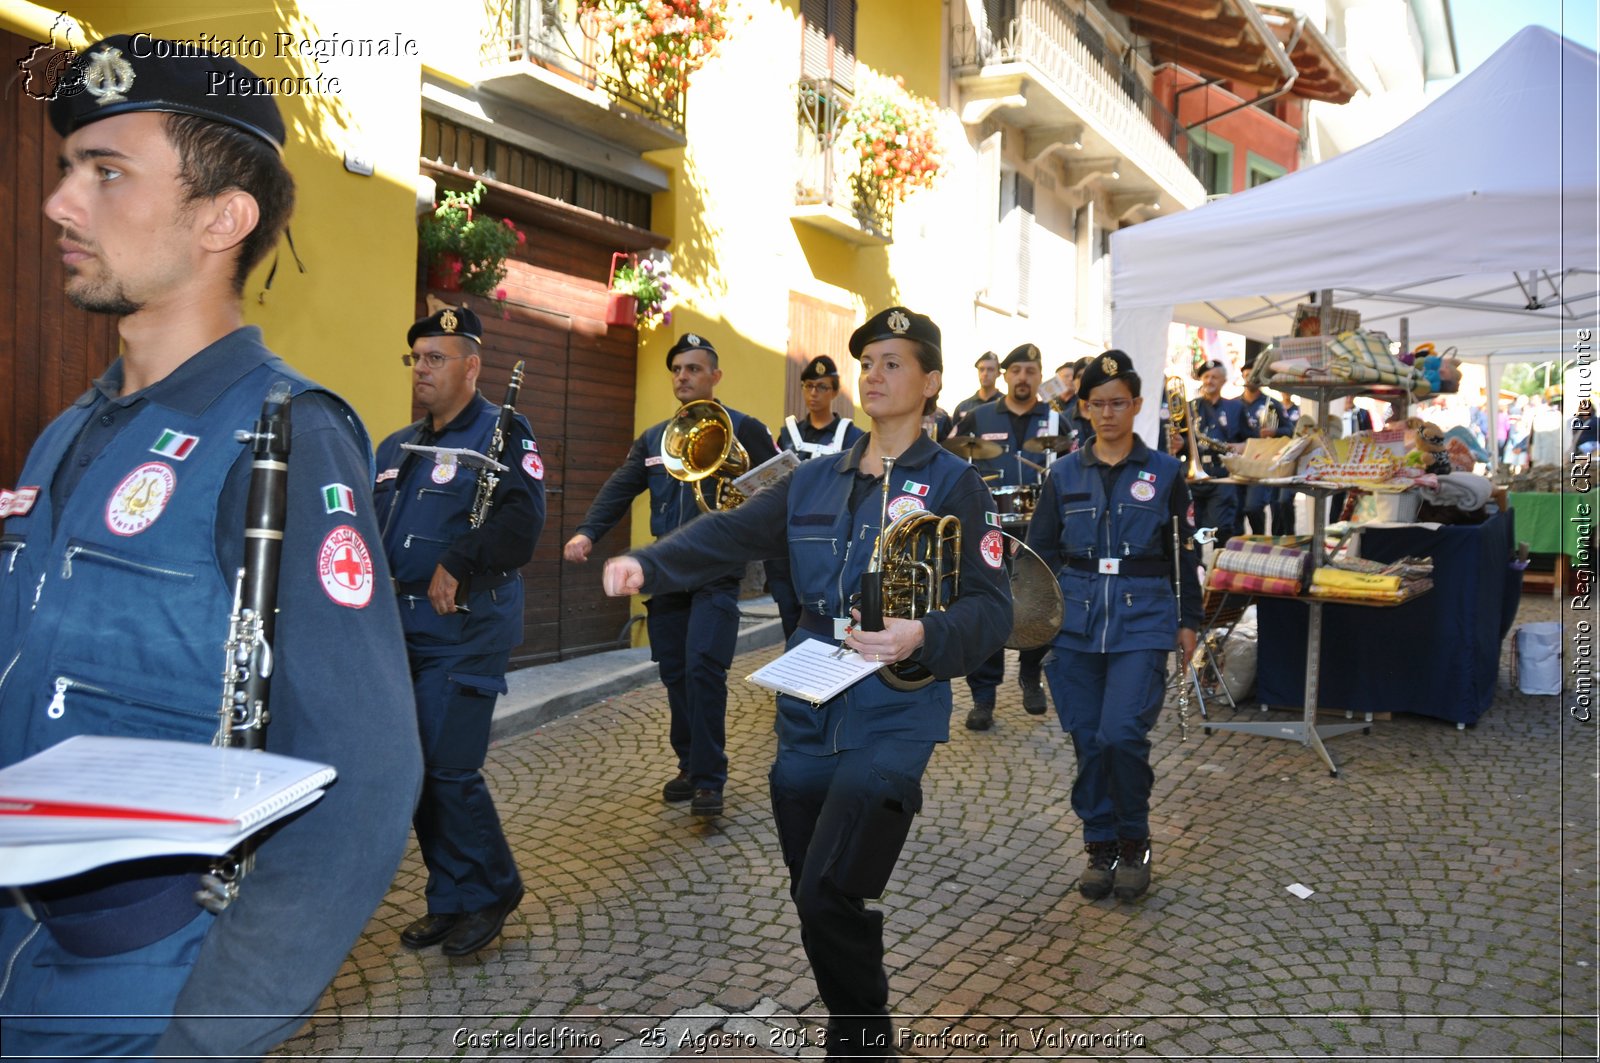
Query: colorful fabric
{"x": 1335, "y": 579}
{"x": 1263, "y": 559}
{"x": 1404, "y": 593}
{"x": 1243, "y": 582}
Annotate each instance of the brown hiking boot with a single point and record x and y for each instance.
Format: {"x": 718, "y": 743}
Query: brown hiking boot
{"x": 1095, "y": 882}
{"x": 1133, "y": 869}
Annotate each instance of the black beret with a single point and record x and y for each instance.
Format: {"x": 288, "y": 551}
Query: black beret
{"x": 451, "y": 321}
{"x": 820, "y": 366}
{"x": 986, "y": 356}
{"x": 1068, "y": 365}
{"x": 123, "y": 74}
{"x": 898, "y": 323}
{"x": 1206, "y": 366}
{"x": 1025, "y": 353}
{"x": 1108, "y": 366}
{"x": 689, "y": 341}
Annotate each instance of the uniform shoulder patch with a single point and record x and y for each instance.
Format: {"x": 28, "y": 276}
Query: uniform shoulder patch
{"x": 344, "y": 566}
{"x": 338, "y": 498}
{"x": 533, "y": 465}
{"x": 993, "y": 547}
{"x": 140, "y": 498}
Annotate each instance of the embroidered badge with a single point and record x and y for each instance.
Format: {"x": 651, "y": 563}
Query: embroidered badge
{"x": 992, "y": 519}
{"x": 528, "y": 444}
{"x": 654, "y": 459}
{"x": 18, "y": 502}
{"x": 911, "y": 487}
{"x": 903, "y": 505}
{"x": 996, "y": 435}
{"x": 443, "y": 474}
{"x": 533, "y": 466}
{"x": 993, "y": 549}
{"x": 174, "y": 445}
{"x": 386, "y": 475}
{"x": 1141, "y": 490}
{"x": 344, "y": 565}
{"x": 1148, "y": 477}
{"x": 139, "y": 499}
{"x": 337, "y": 498}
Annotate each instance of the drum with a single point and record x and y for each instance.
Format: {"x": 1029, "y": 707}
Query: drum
{"x": 1015, "y": 504}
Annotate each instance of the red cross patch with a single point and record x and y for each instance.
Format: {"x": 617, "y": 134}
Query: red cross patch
{"x": 344, "y": 565}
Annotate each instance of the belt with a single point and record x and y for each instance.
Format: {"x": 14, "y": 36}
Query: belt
{"x": 1121, "y": 566}
{"x": 483, "y": 581}
{"x": 817, "y": 624}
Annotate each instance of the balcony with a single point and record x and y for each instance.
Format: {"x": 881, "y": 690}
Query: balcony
{"x": 1052, "y": 74}
{"x": 823, "y": 196}
{"x": 546, "y": 57}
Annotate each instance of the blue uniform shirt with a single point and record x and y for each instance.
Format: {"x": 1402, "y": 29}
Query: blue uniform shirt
{"x": 1223, "y": 421}
{"x": 116, "y": 596}
{"x": 1090, "y": 513}
{"x": 807, "y": 516}
{"x": 993, "y": 421}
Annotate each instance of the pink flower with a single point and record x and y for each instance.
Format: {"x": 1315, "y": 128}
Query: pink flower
{"x": 500, "y": 295}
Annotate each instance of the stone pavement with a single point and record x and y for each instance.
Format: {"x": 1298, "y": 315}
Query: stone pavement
{"x": 1453, "y": 912}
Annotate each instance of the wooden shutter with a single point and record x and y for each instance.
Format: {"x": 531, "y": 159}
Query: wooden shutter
{"x": 828, "y": 41}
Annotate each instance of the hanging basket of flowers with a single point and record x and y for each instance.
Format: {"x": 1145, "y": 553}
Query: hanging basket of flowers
{"x": 891, "y": 140}
{"x": 641, "y": 286}
{"x": 656, "y": 45}
{"x": 466, "y": 251}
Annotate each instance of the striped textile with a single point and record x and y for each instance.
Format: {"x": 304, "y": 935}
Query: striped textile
{"x": 1243, "y": 582}
{"x": 1408, "y": 590}
{"x": 1263, "y": 559}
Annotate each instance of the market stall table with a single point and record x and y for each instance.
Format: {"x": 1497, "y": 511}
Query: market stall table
{"x": 1558, "y": 523}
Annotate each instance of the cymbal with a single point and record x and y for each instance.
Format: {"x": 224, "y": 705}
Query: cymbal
{"x": 972, "y": 448}
{"x": 1046, "y": 444}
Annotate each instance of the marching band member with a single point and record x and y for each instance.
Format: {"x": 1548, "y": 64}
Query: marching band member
{"x": 1105, "y": 525}
{"x": 1011, "y": 421}
{"x": 847, "y": 779}
{"x": 693, "y": 629}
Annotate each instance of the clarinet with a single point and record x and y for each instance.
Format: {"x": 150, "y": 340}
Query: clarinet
{"x": 488, "y": 479}
{"x": 1183, "y": 658}
{"x": 247, "y": 669}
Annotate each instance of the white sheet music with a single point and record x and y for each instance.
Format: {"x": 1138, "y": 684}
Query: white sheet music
{"x": 812, "y": 673}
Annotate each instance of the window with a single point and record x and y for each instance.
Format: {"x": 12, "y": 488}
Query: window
{"x": 1211, "y": 160}
{"x": 1258, "y": 171}
{"x": 828, "y": 42}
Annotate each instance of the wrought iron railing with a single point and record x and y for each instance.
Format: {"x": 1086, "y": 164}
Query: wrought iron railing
{"x": 1071, "y": 52}
{"x": 553, "y": 34}
{"x": 824, "y": 170}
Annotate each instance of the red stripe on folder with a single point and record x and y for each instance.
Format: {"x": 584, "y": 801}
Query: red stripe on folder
{"x": 23, "y": 807}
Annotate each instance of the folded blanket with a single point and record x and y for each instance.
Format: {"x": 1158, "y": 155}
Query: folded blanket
{"x": 1464, "y": 490}
{"x": 1263, "y": 559}
{"x": 1334, "y": 579}
{"x": 1245, "y": 583}
{"x": 1407, "y": 590}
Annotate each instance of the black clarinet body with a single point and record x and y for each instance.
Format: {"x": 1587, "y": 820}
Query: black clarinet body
{"x": 248, "y": 676}
{"x": 488, "y": 479}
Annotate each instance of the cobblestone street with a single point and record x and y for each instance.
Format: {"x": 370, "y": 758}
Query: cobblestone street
{"x": 1452, "y": 914}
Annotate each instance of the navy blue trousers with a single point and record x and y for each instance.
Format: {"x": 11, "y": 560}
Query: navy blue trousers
{"x": 470, "y": 866}
{"x": 842, "y": 820}
{"x": 1108, "y": 702}
{"x": 692, "y": 638}
{"x": 984, "y": 679}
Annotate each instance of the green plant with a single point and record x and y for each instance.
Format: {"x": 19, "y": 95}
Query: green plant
{"x": 658, "y": 44}
{"x": 480, "y": 244}
{"x": 892, "y": 137}
{"x": 649, "y": 281}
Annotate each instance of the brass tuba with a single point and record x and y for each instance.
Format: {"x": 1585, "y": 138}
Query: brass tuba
{"x": 698, "y": 446}
{"x": 920, "y": 565}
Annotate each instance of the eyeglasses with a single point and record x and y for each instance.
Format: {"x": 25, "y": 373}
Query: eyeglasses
{"x": 433, "y": 360}
{"x": 816, "y": 385}
{"x": 1109, "y": 405}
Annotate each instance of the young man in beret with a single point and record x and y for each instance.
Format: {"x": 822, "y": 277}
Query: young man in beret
{"x": 988, "y": 367}
{"x": 693, "y": 632}
{"x": 116, "y": 594}
{"x": 459, "y": 653}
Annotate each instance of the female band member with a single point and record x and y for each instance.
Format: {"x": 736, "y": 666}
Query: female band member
{"x": 1105, "y": 524}
{"x": 847, "y": 778}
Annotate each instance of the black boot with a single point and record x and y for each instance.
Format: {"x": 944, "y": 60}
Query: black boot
{"x": 1095, "y": 882}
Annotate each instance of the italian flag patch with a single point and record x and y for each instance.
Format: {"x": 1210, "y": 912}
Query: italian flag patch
{"x": 337, "y": 498}
{"x": 174, "y": 445}
{"x": 914, "y": 488}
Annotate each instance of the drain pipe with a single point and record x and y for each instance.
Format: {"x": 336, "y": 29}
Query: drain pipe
{"x": 1294, "y": 39}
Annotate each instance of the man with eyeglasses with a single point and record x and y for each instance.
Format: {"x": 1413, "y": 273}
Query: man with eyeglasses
{"x": 459, "y": 654}
{"x": 692, "y": 633}
{"x": 1011, "y": 421}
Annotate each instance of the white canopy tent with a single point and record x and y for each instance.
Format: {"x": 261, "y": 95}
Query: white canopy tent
{"x": 1476, "y": 221}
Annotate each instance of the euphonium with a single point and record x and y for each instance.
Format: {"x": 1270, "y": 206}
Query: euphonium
{"x": 1178, "y": 425}
{"x": 915, "y": 570}
{"x": 699, "y": 446}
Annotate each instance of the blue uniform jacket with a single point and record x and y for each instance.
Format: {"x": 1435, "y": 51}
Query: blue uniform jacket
{"x": 425, "y": 512}
{"x": 1223, "y": 421}
{"x": 992, "y": 421}
{"x": 672, "y": 501}
{"x": 1254, "y": 410}
{"x": 1078, "y": 518}
{"x": 807, "y": 516}
{"x": 113, "y": 615}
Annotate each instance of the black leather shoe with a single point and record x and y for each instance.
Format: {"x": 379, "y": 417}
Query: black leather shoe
{"x": 429, "y": 930}
{"x": 477, "y": 929}
{"x": 679, "y": 788}
{"x": 1033, "y": 702}
{"x": 706, "y": 803}
{"x": 981, "y": 718}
